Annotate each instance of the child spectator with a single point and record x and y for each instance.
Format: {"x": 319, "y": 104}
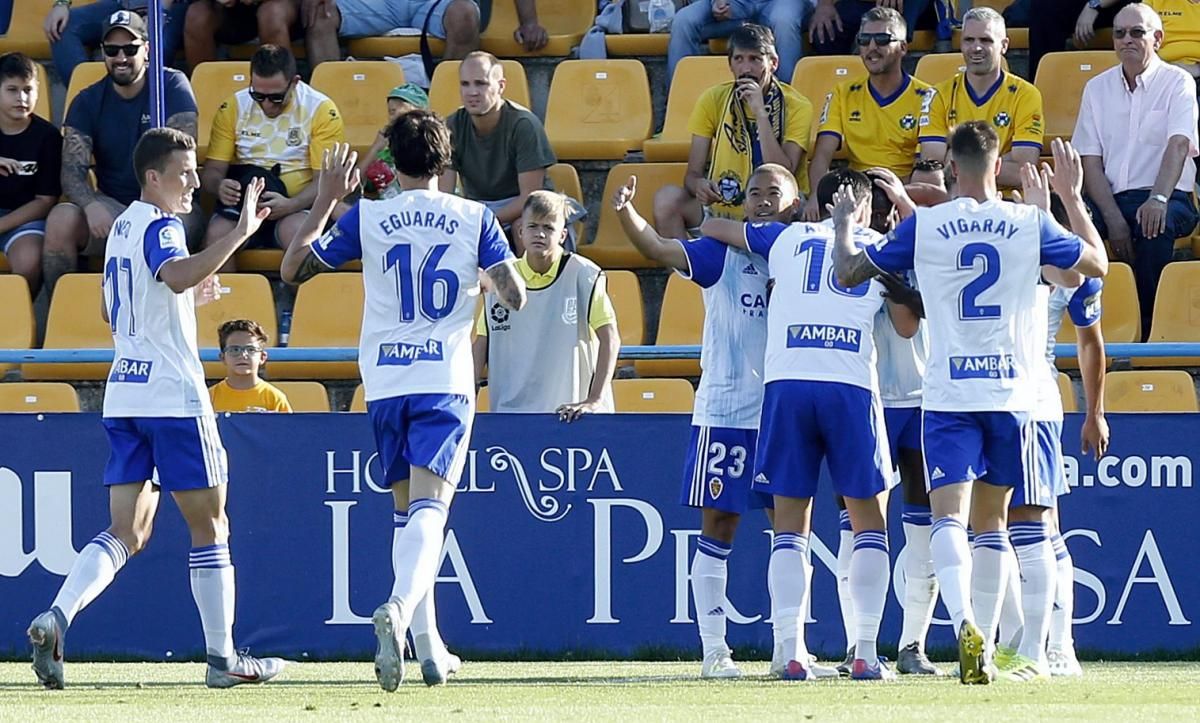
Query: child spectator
{"x": 377, "y": 166}
{"x": 243, "y": 351}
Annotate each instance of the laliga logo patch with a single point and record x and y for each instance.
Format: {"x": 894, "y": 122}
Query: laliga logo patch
{"x": 499, "y": 313}
{"x": 715, "y": 486}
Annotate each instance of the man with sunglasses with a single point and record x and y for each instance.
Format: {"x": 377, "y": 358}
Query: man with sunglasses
{"x": 1136, "y": 132}
{"x": 102, "y": 127}
{"x": 277, "y": 129}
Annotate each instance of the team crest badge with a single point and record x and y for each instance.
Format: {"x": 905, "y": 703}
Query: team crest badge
{"x": 570, "y": 313}
{"x": 1001, "y": 120}
{"x": 908, "y": 122}
{"x": 715, "y": 486}
{"x": 730, "y": 187}
{"x": 293, "y": 137}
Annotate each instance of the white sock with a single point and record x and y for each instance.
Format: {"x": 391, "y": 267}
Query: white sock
{"x": 789, "y": 584}
{"x": 93, "y": 570}
{"x": 869, "y": 573}
{"x": 991, "y": 565}
{"x": 427, "y": 641}
{"x": 709, "y": 573}
{"x": 1012, "y": 617}
{"x": 1064, "y": 596}
{"x": 213, "y": 591}
{"x": 420, "y": 546}
{"x": 951, "y": 555}
{"x": 1036, "y": 556}
{"x": 920, "y": 582}
{"x": 845, "y": 599}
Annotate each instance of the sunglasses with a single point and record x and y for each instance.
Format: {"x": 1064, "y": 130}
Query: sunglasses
{"x": 236, "y": 350}
{"x": 130, "y": 50}
{"x": 881, "y": 39}
{"x": 1136, "y": 32}
{"x": 276, "y": 98}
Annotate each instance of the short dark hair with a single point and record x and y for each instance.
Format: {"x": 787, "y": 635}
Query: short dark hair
{"x": 974, "y": 146}
{"x": 756, "y": 38}
{"x": 271, "y": 60}
{"x": 17, "y": 65}
{"x": 155, "y": 147}
{"x": 420, "y": 144}
{"x": 835, "y": 179}
{"x": 251, "y": 327}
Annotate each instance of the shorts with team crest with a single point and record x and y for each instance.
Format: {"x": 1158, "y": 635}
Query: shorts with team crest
{"x": 719, "y": 467}
{"x": 999, "y": 447}
{"x": 422, "y": 430}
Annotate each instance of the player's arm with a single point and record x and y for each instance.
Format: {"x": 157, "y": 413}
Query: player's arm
{"x": 645, "y": 239}
{"x": 508, "y": 284}
{"x": 186, "y": 272}
{"x": 727, "y": 231}
{"x": 1067, "y": 180}
{"x": 849, "y": 262}
{"x": 904, "y": 319}
{"x": 339, "y": 175}
{"x": 1092, "y": 362}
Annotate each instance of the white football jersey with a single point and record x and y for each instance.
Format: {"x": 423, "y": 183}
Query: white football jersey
{"x": 156, "y": 369}
{"x": 817, "y": 330}
{"x": 900, "y": 363}
{"x": 734, "y": 284}
{"x": 1082, "y": 303}
{"x": 978, "y": 268}
{"x": 421, "y": 252}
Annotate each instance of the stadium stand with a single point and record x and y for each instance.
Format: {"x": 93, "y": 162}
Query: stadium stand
{"x": 17, "y": 331}
{"x": 42, "y": 107}
{"x": 933, "y": 68}
{"x": 694, "y": 75}
{"x": 681, "y": 322}
{"x": 1176, "y": 312}
{"x": 653, "y": 395}
{"x": 637, "y": 44}
{"x": 444, "y": 97}
{"x": 1066, "y": 390}
{"x": 243, "y": 296}
{"x": 305, "y": 396}
{"x": 625, "y": 292}
{"x": 1122, "y": 318}
{"x": 815, "y": 77}
{"x": 38, "y": 397}
{"x": 1162, "y": 390}
{"x": 328, "y": 312}
{"x": 74, "y": 322}
{"x": 565, "y": 23}
{"x": 610, "y": 248}
{"x": 1061, "y": 78}
{"x": 213, "y": 83}
{"x": 85, "y": 74}
{"x": 598, "y": 109}
{"x": 359, "y": 90}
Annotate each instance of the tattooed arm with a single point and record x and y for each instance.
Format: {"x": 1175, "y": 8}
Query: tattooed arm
{"x": 76, "y": 161}
{"x": 508, "y": 284}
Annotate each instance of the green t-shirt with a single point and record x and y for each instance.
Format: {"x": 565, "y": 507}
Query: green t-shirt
{"x": 488, "y": 166}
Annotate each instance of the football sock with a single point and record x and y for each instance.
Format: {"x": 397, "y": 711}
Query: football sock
{"x": 1012, "y": 618}
{"x": 951, "y": 557}
{"x": 869, "y": 574}
{"x": 93, "y": 570}
{"x": 845, "y": 600}
{"x": 991, "y": 563}
{"x": 709, "y": 573}
{"x": 920, "y": 582}
{"x": 1064, "y": 595}
{"x": 211, "y": 572}
{"x": 427, "y": 641}
{"x": 419, "y": 550}
{"x": 789, "y": 583}
{"x": 1038, "y": 568}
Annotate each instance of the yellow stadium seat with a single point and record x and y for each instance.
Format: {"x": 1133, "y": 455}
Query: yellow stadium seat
{"x": 933, "y": 68}
{"x": 694, "y": 75}
{"x": 359, "y": 89}
{"x": 42, "y": 107}
{"x": 263, "y": 261}
{"x": 393, "y": 46}
{"x": 243, "y": 296}
{"x": 611, "y": 249}
{"x": 328, "y": 313}
{"x": 632, "y": 45}
{"x": 814, "y": 78}
{"x": 444, "y": 97}
{"x": 1121, "y": 322}
{"x": 626, "y": 295}
{"x": 17, "y": 331}
{"x": 1067, "y": 391}
{"x": 1141, "y": 390}
{"x": 1061, "y": 78}
{"x": 483, "y": 400}
{"x": 680, "y": 322}
{"x": 74, "y": 322}
{"x": 1176, "y": 312}
{"x": 598, "y": 109}
{"x": 565, "y": 22}
{"x": 653, "y": 395}
{"x": 359, "y": 402}
{"x": 85, "y": 74}
{"x": 38, "y": 397}
{"x": 565, "y": 179}
{"x": 214, "y": 83}
{"x": 305, "y": 396}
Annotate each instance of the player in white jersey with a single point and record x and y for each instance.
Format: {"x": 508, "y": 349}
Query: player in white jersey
{"x": 421, "y": 253}
{"x": 977, "y": 260}
{"x": 157, "y": 413}
{"x": 821, "y": 357}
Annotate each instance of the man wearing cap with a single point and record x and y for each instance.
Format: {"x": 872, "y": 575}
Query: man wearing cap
{"x": 104, "y": 123}
{"x": 73, "y": 31}
{"x": 278, "y": 129}
{"x": 377, "y": 167}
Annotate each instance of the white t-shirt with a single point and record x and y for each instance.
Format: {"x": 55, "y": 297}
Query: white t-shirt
{"x": 1082, "y": 303}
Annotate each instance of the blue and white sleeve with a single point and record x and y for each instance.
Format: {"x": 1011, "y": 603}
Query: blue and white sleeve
{"x": 760, "y": 237}
{"x": 706, "y": 260}
{"x": 342, "y": 242}
{"x": 1059, "y": 247}
{"x": 1084, "y": 305}
{"x": 895, "y": 251}
{"x": 164, "y": 241}
{"x": 493, "y": 244}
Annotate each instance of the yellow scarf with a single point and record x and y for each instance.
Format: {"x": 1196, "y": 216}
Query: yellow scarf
{"x": 730, "y": 161}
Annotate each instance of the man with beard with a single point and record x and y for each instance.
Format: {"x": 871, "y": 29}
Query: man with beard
{"x": 104, "y": 123}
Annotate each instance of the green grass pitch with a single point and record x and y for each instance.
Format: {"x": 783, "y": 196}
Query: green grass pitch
{"x": 628, "y": 691}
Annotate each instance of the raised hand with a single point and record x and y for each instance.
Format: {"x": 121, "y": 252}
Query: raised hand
{"x": 1067, "y": 176}
{"x": 625, "y": 194}
{"x": 844, "y": 204}
{"x": 1035, "y": 187}
{"x": 252, "y": 214}
{"x": 339, "y": 172}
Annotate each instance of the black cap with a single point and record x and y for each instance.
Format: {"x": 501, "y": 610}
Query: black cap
{"x": 128, "y": 20}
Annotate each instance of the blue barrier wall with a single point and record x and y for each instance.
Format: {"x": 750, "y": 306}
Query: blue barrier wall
{"x": 562, "y": 538}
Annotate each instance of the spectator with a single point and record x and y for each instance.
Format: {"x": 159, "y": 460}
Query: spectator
{"x": 455, "y": 21}
{"x": 1136, "y": 132}
{"x": 833, "y": 23}
{"x": 75, "y": 32}
{"x": 243, "y": 351}
{"x": 377, "y": 167}
{"x": 875, "y": 120}
{"x": 736, "y": 127}
{"x": 569, "y": 320}
{"x": 278, "y": 129}
{"x": 501, "y": 151}
{"x": 985, "y": 91}
{"x": 703, "y": 20}
{"x": 103, "y": 124}
{"x": 1053, "y": 22}
{"x": 233, "y": 22}
{"x": 30, "y": 163}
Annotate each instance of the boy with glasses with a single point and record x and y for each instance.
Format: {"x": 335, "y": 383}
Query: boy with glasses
{"x": 243, "y": 351}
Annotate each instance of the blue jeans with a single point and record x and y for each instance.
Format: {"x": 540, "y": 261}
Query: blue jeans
{"x": 851, "y": 12}
{"x": 694, "y": 26}
{"x": 82, "y": 34}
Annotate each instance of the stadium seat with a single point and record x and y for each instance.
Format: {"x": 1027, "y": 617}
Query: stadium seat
{"x": 42, "y": 107}
{"x": 816, "y": 75}
{"x": 359, "y": 402}
{"x": 626, "y": 294}
{"x": 611, "y": 249}
{"x": 933, "y": 68}
{"x": 1061, "y": 78}
{"x": 328, "y": 313}
{"x": 393, "y": 46}
{"x": 263, "y": 261}
{"x": 85, "y": 74}
{"x": 17, "y": 331}
{"x": 653, "y": 395}
{"x": 25, "y": 34}
{"x": 213, "y": 84}
{"x": 359, "y": 88}
{"x": 632, "y": 45}
{"x": 1121, "y": 321}
{"x": 565, "y": 179}
{"x": 1066, "y": 390}
{"x": 694, "y": 75}
{"x": 598, "y": 109}
{"x": 38, "y": 397}
{"x": 305, "y": 396}
{"x": 243, "y": 296}
{"x": 680, "y": 322}
{"x": 1176, "y": 312}
{"x": 444, "y": 97}
{"x": 1160, "y": 390}
{"x": 565, "y": 23}
{"x": 74, "y": 322}
{"x": 483, "y": 400}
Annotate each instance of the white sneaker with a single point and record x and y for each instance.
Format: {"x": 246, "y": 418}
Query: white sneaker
{"x": 1063, "y": 663}
{"x": 389, "y": 653}
{"x": 719, "y": 664}
{"x": 821, "y": 672}
{"x": 436, "y": 671}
